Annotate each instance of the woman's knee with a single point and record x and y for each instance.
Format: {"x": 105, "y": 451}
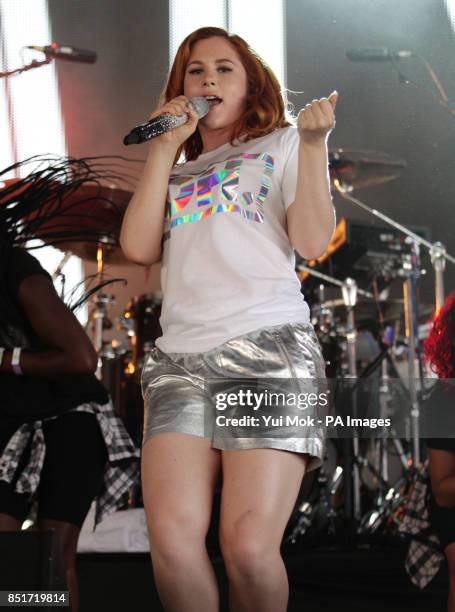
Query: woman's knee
{"x": 248, "y": 547}
{"x": 9, "y": 523}
{"x": 175, "y": 539}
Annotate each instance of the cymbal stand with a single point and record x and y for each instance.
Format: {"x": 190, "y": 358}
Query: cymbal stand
{"x": 101, "y": 303}
{"x": 351, "y": 472}
{"x": 58, "y": 272}
{"x": 410, "y": 272}
{"x": 388, "y": 496}
{"x": 330, "y": 279}
{"x": 437, "y": 250}
{"x": 438, "y": 256}
{"x": 349, "y": 293}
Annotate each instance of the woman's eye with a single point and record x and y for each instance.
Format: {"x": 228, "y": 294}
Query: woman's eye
{"x": 223, "y": 68}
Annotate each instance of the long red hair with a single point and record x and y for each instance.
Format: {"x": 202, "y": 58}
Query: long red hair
{"x": 438, "y": 347}
{"x": 265, "y": 110}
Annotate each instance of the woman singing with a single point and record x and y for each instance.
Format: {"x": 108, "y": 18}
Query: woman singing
{"x": 224, "y": 223}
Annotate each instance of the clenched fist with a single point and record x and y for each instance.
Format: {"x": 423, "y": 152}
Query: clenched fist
{"x": 317, "y": 119}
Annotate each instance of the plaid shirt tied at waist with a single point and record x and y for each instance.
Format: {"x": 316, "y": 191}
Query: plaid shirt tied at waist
{"x": 425, "y": 555}
{"x": 122, "y": 468}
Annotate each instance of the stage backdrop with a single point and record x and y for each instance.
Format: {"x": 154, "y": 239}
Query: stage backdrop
{"x": 376, "y": 111}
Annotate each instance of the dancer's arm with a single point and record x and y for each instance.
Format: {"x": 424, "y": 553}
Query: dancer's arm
{"x": 68, "y": 348}
{"x": 442, "y": 474}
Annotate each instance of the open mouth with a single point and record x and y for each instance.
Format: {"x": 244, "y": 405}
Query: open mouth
{"x": 213, "y": 101}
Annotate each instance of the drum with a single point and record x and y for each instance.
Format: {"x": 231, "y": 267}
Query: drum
{"x": 141, "y": 321}
{"x": 118, "y": 378}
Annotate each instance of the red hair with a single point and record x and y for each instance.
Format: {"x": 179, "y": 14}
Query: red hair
{"x": 438, "y": 347}
{"x": 265, "y": 108}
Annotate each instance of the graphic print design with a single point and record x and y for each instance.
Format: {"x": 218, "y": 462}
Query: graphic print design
{"x": 221, "y": 187}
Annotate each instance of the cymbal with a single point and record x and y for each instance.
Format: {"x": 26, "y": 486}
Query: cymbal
{"x": 359, "y": 169}
{"x": 90, "y": 217}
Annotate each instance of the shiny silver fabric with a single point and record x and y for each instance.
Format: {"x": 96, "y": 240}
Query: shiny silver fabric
{"x": 180, "y": 389}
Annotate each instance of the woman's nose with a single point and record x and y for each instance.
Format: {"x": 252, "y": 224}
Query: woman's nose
{"x": 209, "y": 81}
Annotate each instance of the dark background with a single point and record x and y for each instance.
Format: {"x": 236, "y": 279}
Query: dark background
{"x": 375, "y": 111}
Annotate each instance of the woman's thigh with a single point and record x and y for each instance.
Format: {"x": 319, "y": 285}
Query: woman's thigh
{"x": 179, "y": 476}
{"x": 14, "y": 507}
{"x": 260, "y": 487}
{"x": 73, "y": 468}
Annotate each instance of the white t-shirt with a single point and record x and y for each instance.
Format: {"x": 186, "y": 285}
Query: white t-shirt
{"x": 228, "y": 267}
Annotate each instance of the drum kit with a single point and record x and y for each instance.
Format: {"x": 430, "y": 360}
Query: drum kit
{"x": 364, "y": 333}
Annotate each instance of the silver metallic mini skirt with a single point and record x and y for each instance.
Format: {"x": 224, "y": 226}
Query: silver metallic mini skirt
{"x": 264, "y": 389}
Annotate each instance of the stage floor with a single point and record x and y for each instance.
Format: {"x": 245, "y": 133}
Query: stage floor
{"x": 324, "y": 579}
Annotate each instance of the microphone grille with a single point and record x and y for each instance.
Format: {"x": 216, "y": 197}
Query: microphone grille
{"x": 200, "y": 105}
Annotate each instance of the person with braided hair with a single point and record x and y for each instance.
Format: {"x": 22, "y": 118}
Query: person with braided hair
{"x": 61, "y": 445}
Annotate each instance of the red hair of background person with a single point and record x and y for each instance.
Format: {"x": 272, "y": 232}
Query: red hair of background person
{"x": 438, "y": 347}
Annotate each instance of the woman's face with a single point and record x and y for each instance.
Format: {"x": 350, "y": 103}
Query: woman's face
{"x": 215, "y": 69}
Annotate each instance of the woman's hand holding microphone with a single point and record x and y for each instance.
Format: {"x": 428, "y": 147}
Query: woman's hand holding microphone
{"x": 177, "y": 136}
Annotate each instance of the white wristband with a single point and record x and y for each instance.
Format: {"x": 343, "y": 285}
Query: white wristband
{"x": 15, "y": 360}
{"x": 2, "y": 350}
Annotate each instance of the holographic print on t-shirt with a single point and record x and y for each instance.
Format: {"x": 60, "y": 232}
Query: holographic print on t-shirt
{"x": 217, "y": 192}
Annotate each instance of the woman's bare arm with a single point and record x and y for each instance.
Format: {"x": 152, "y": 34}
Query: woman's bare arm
{"x": 442, "y": 474}
{"x": 69, "y": 348}
{"x": 142, "y": 227}
{"x": 311, "y": 217}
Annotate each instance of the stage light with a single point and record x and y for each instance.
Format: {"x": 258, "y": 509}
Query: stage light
{"x": 184, "y": 17}
{"x": 450, "y": 4}
{"x": 262, "y": 26}
{"x": 263, "y": 29}
{"x": 33, "y": 122}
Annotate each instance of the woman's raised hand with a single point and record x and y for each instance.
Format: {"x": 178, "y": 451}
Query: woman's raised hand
{"x": 317, "y": 119}
{"x": 177, "y": 106}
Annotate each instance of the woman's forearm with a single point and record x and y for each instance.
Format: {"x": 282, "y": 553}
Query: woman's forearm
{"x": 311, "y": 218}
{"x": 51, "y": 362}
{"x": 142, "y": 227}
{"x": 444, "y": 492}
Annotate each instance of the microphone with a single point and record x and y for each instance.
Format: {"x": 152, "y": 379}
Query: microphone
{"x": 164, "y": 123}
{"x": 378, "y": 54}
{"x": 70, "y": 54}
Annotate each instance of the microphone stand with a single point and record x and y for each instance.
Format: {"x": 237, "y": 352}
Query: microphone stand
{"x": 33, "y": 64}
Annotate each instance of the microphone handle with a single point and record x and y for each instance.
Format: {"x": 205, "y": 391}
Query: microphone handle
{"x": 72, "y": 54}
{"x": 155, "y": 127}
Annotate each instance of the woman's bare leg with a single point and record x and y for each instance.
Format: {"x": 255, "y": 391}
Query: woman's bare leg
{"x": 179, "y": 475}
{"x": 9, "y": 523}
{"x": 260, "y": 487}
{"x": 67, "y": 536}
{"x": 450, "y": 554}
